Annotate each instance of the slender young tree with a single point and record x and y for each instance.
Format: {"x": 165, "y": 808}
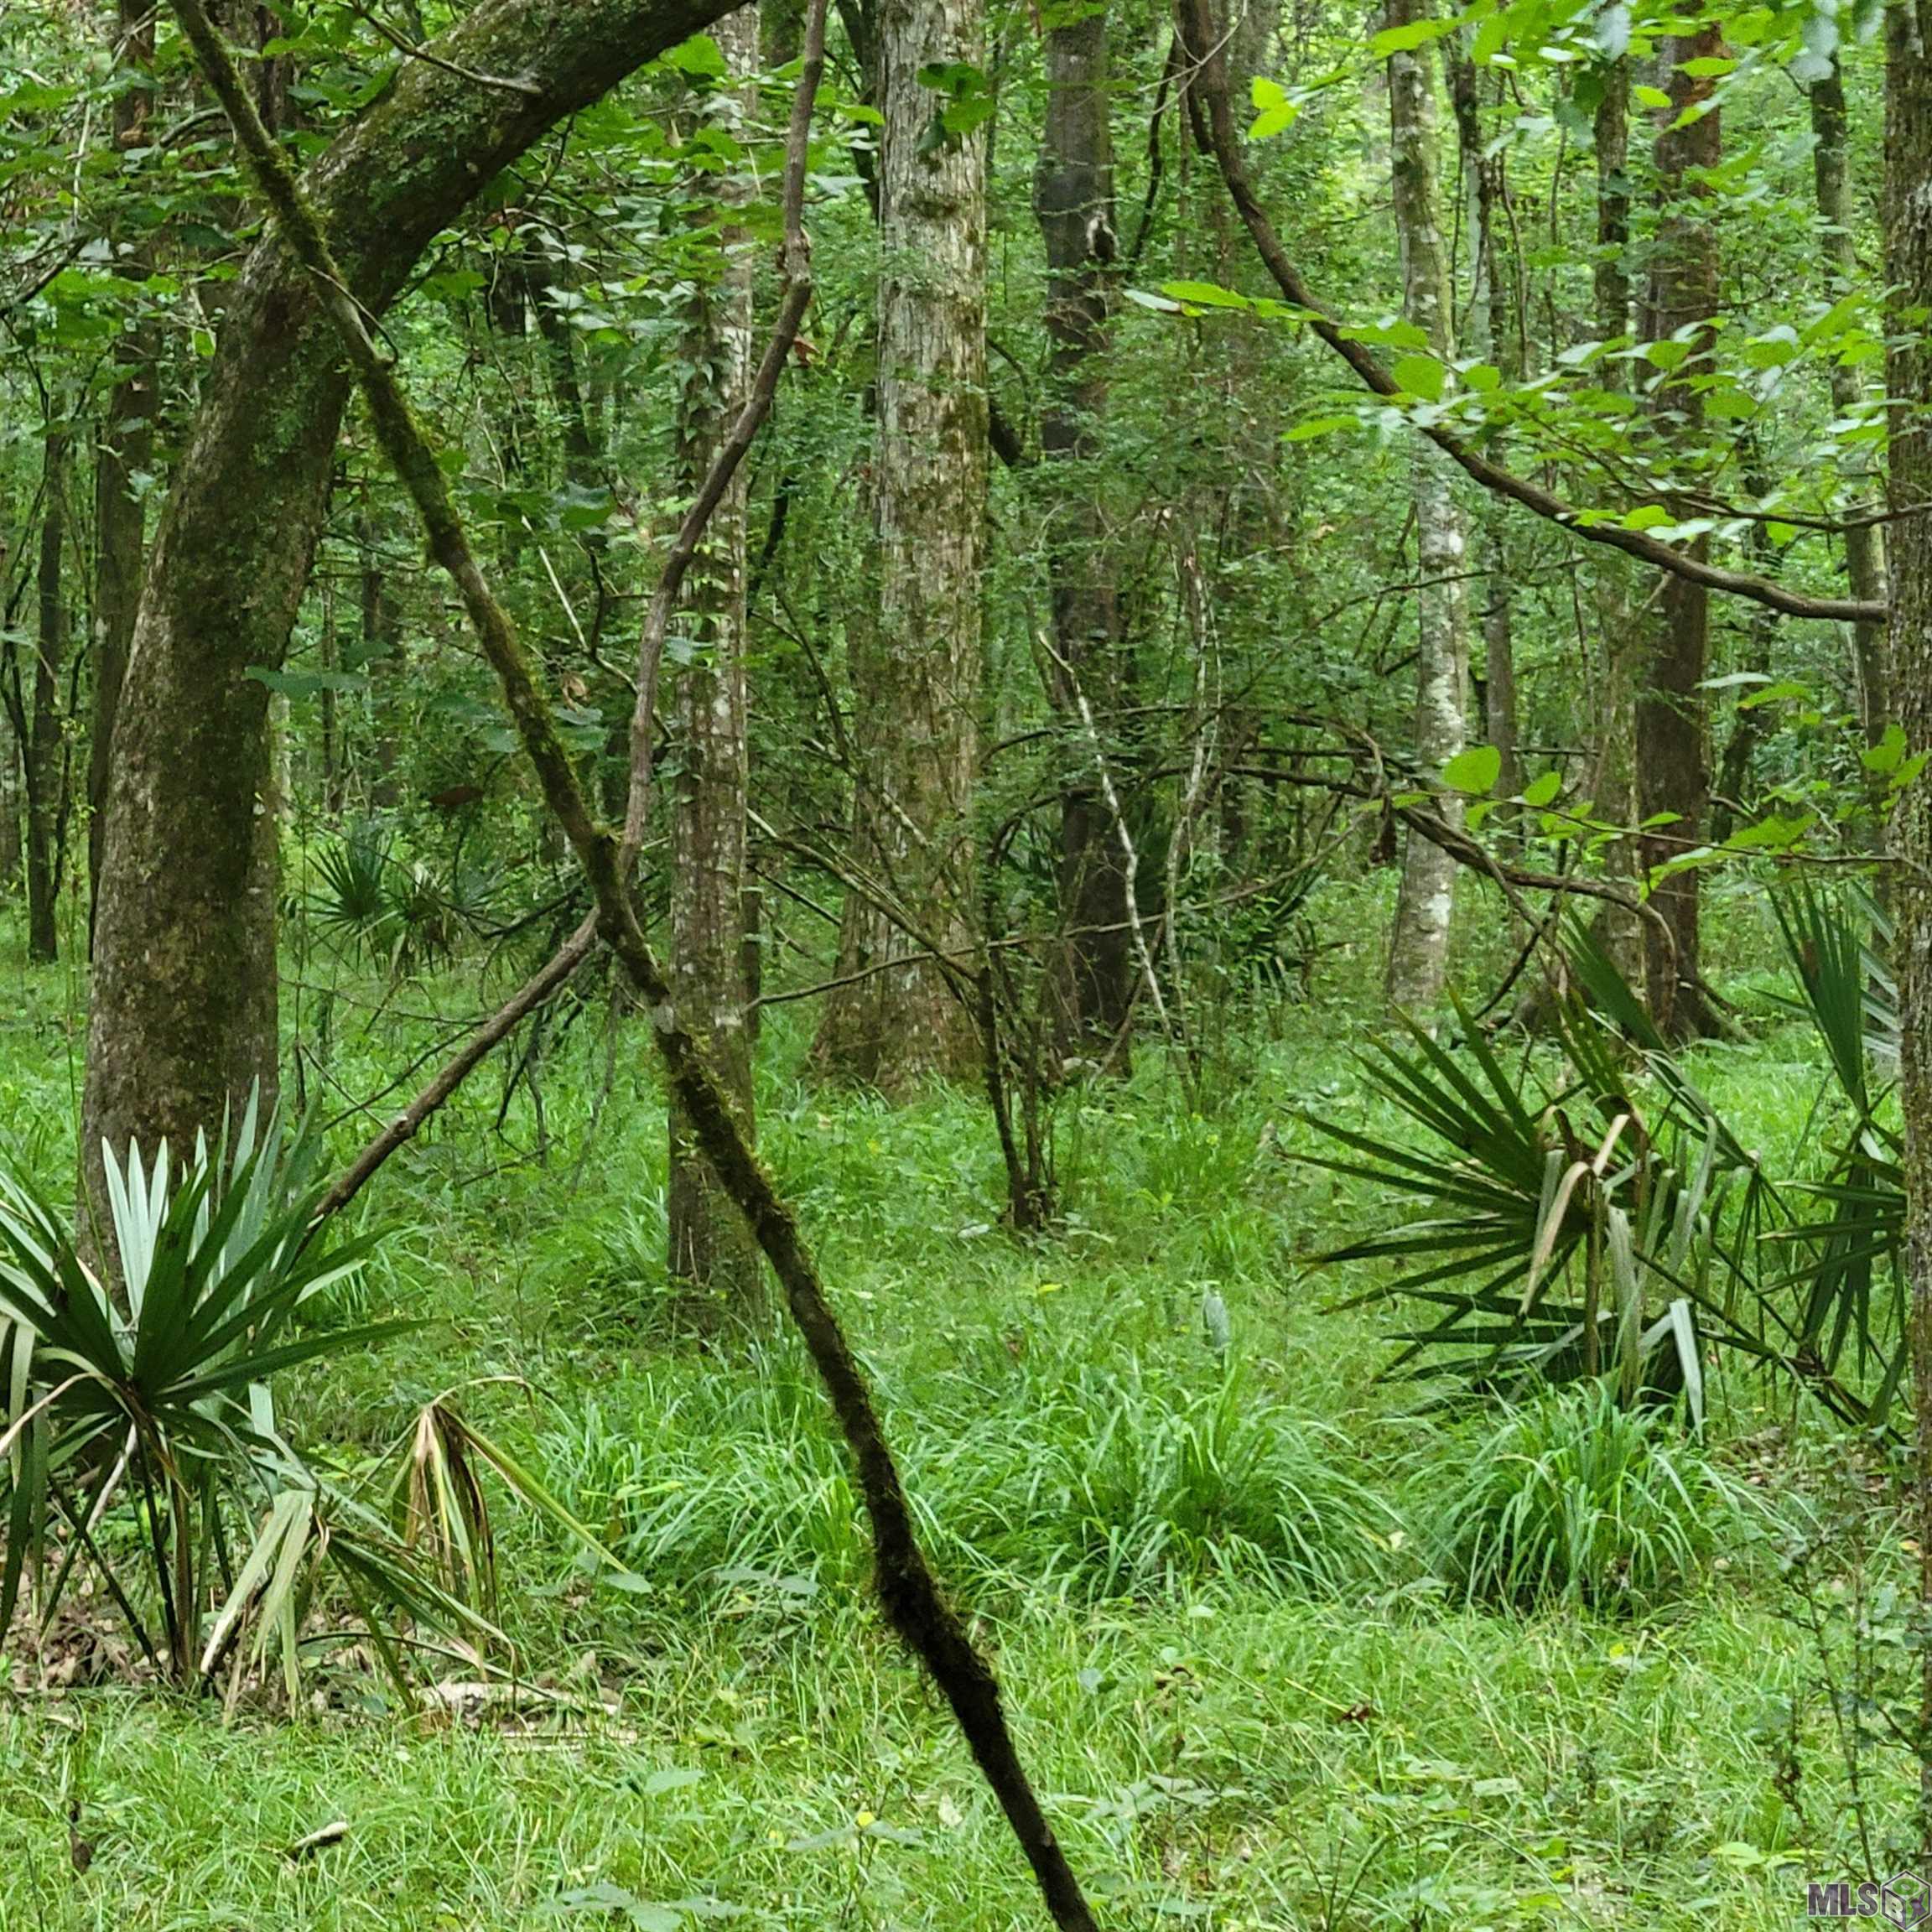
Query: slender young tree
{"x": 1908, "y": 379}
{"x": 1864, "y": 543}
{"x": 712, "y": 1250}
{"x": 43, "y": 764}
{"x": 916, "y": 670}
{"x": 1491, "y": 336}
{"x": 1419, "y": 945}
{"x": 1673, "y": 760}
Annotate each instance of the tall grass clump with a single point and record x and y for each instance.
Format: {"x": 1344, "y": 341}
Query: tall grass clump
{"x": 1573, "y": 1499}
{"x": 1085, "y": 1484}
{"x": 1134, "y": 1483}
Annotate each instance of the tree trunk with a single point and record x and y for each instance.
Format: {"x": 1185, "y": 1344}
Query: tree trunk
{"x": 184, "y": 1011}
{"x": 1419, "y": 946}
{"x": 1073, "y": 198}
{"x": 124, "y": 451}
{"x": 713, "y": 1252}
{"x": 1673, "y": 771}
{"x": 1614, "y": 786}
{"x": 1493, "y": 338}
{"x": 43, "y": 764}
{"x": 1908, "y": 370}
{"x": 916, "y": 675}
{"x": 1864, "y": 544}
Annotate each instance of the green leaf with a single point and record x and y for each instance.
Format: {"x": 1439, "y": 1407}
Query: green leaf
{"x": 1474, "y": 771}
{"x": 1274, "y": 120}
{"x": 1420, "y": 376}
{"x": 1410, "y": 34}
{"x": 1204, "y": 295}
{"x": 1885, "y": 756}
{"x": 1319, "y": 426}
{"x": 697, "y": 57}
{"x": 1541, "y": 792}
{"x": 309, "y": 683}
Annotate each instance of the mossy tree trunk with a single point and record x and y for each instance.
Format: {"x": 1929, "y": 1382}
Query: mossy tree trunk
{"x": 1908, "y": 374}
{"x": 915, "y": 672}
{"x": 184, "y": 1014}
{"x": 124, "y": 451}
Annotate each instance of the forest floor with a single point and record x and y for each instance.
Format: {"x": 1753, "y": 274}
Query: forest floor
{"x": 1239, "y": 1724}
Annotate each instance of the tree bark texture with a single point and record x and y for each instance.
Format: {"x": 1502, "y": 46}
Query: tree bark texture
{"x": 1672, "y": 759}
{"x": 1419, "y": 945}
{"x": 1492, "y": 337}
{"x": 1073, "y": 199}
{"x": 184, "y": 1019}
{"x": 1908, "y": 378}
{"x": 124, "y": 450}
{"x": 915, "y": 672}
{"x": 43, "y": 765}
{"x": 1864, "y": 544}
{"x": 712, "y": 1250}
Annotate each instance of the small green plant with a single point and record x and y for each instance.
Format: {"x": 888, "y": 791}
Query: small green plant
{"x": 393, "y": 910}
{"x": 1574, "y": 1497}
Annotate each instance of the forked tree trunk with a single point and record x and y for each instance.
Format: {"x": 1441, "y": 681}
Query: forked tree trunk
{"x": 1073, "y": 198}
{"x": 1419, "y": 946}
{"x": 712, "y": 1250}
{"x": 1673, "y": 761}
{"x": 1909, "y": 373}
{"x": 916, "y": 673}
{"x": 1864, "y": 543}
{"x": 183, "y": 1010}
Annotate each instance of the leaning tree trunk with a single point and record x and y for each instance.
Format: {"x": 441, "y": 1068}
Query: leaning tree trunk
{"x": 1419, "y": 946}
{"x": 1073, "y": 198}
{"x": 1908, "y": 372}
{"x": 42, "y": 763}
{"x": 1673, "y": 766}
{"x": 184, "y": 1009}
{"x": 713, "y": 1252}
{"x": 1864, "y": 544}
{"x": 916, "y": 674}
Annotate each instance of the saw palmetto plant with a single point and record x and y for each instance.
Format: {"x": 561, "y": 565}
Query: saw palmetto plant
{"x": 141, "y": 1440}
{"x": 1586, "y": 1210}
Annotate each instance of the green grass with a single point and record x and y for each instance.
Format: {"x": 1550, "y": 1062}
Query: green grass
{"x": 1247, "y": 1681}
